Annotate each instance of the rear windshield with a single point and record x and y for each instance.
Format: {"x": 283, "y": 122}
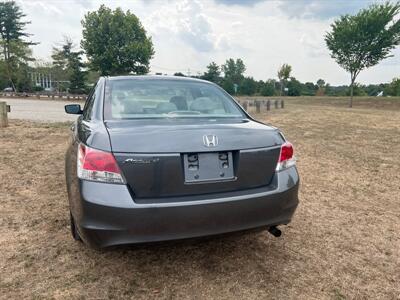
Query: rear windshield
{"x": 138, "y": 99}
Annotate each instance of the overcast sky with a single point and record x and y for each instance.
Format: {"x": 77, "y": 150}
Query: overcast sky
{"x": 191, "y": 34}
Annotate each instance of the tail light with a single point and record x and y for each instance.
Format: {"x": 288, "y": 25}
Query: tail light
{"x": 98, "y": 165}
{"x": 286, "y": 157}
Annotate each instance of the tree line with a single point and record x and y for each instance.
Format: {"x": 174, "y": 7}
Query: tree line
{"x": 230, "y": 76}
{"x": 116, "y": 43}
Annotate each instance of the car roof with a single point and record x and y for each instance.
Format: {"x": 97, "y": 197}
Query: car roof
{"x": 156, "y": 77}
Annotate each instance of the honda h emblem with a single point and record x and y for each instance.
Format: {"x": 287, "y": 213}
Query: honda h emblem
{"x": 210, "y": 140}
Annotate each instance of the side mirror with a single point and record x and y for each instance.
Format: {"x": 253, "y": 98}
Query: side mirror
{"x": 74, "y": 109}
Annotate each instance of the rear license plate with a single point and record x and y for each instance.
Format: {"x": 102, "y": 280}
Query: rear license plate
{"x": 212, "y": 166}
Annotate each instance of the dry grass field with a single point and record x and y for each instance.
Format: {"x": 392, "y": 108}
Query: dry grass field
{"x": 343, "y": 243}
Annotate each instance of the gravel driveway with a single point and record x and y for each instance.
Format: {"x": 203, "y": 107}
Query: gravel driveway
{"x": 39, "y": 110}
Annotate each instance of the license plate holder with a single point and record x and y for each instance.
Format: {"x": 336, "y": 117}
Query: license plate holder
{"x": 209, "y": 166}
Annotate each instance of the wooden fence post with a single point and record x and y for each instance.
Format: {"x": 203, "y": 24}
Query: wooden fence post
{"x": 282, "y": 104}
{"x": 268, "y": 105}
{"x": 3, "y": 114}
{"x": 258, "y": 106}
{"x": 245, "y": 105}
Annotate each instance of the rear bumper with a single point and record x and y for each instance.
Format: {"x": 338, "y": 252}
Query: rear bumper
{"x": 106, "y": 214}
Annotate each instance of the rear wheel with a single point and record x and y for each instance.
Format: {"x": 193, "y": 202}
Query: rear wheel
{"x": 74, "y": 230}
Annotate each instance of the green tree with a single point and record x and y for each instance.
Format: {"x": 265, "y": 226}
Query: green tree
{"x": 321, "y": 87}
{"x": 23, "y": 79}
{"x": 62, "y": 54}
{"x": 361, "y": 41}
{"x": 213, "y": 73}
{"x": 393, "y": 89}
{"x": 283, "y": 75}
{"x": 268, "y": 88}
{"x": 77, "y": 76}
{"x": 228, "y": 85}
{"x": 14, "y": 48}
{"x": 115, "y": 42}
{"x": 68, "y": 66}
{"x": 248, "y": 86}
{"x": 234, "y": 70}
{"x": 320, "y": 83}
{"x": 357, "y": 90}
{"x": 180, "y": 74}
{"x": 375, "y": 89}
{"x": 3, "y": 75}
{"x": 294, "y": 87}
{"x": 309, "y": 89}
{"x": 328, "y": 90}
{"x": 92, "y": 77}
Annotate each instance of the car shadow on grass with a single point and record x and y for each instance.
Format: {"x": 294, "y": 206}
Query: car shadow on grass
{"x": 235, "y": 260}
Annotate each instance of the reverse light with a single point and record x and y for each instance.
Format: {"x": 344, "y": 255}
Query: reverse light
{"x": 98, "y": 165}
{"x": 286, "y": 157}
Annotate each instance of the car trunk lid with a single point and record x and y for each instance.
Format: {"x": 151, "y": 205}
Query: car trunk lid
{"x": 157, "y": 160}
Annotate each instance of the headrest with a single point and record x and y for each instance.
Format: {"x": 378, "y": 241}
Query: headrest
{"x": 203, "y": 104}
{"x": 166, "y": 107}
{"x": 180, "y": 102}
{"x": 132, "y": 107}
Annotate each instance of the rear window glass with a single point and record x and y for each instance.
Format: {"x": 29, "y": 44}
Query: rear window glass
{"x": 138, "y": 98}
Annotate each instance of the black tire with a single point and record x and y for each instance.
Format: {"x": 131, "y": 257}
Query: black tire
{"x": 74, "y": 230}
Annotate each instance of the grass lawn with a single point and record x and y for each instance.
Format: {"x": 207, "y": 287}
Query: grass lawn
{"x": 343, "y": 243}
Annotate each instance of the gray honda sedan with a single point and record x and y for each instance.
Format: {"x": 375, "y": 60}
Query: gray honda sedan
{"x": 157, "y": 158}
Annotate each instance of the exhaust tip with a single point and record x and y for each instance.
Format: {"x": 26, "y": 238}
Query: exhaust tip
{"x": 274, "y": 231}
